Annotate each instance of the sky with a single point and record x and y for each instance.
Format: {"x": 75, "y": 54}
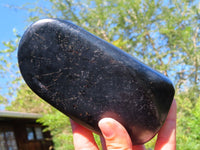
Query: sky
{"x": 11, "y": 18}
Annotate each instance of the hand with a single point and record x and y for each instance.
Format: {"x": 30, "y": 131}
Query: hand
{"x": 115, "y": 137}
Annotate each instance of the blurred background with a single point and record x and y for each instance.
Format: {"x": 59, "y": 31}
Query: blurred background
{"x": 163, "y": 34}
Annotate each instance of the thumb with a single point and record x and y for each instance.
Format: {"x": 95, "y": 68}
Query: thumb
{"x": 115, "y": 135}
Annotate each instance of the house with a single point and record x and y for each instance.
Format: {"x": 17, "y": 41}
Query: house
{"x": 19, "y": 131}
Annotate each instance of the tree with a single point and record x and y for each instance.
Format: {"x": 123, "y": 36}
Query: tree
{"x": 163, "y": 34}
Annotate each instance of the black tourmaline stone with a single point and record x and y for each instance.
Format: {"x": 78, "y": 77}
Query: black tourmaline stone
{"x": 87, "y": 79}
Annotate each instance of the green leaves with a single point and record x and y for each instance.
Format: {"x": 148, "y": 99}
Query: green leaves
{"x": 60, "y": 128}
{"x": 188, "y": 121}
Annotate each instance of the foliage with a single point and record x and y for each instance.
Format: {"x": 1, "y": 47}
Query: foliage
{"x": 189, "y": 121}
{"x": 27, "y": 101}
{"x": 59, "y": 126}
{"x": 8, "y": 69}
{"x": 162, "y": 34}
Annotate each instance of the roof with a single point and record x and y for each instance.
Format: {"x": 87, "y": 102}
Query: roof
{"x": 19, "y": 115}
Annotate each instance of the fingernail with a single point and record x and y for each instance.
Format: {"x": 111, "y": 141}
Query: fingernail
{"x": 106, "y": 127}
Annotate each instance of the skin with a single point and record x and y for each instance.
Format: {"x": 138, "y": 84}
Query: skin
{"x": 115, "y": 137}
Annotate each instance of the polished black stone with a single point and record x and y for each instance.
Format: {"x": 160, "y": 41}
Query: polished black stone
{"x": 87, "y": 79}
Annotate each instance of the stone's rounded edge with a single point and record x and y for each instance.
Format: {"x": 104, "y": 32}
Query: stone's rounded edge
{"x": 164, "y": 105}
{"x": 167, "y": 91}
{"x": 24, "y": 49}
{"x": 54, "y": 21}
{"x": 29, "y": 32}
{"x": 42, "y": 21}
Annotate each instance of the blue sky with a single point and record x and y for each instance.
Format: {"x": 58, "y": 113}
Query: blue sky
{"x": 11, "y": 18}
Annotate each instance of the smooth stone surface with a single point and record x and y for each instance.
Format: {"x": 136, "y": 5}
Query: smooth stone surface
{"x": 87, "y": 79}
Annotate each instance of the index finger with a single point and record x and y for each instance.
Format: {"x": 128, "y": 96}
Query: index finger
{"x": 83, "y": 138}
{"x": 167, "y": 135}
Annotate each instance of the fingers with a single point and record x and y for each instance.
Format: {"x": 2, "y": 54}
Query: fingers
{"x": 115, "y": 135}
{"x": 167, "y": 135}
{"x": 83, "y": 138}
{"x": 138, "y": 147}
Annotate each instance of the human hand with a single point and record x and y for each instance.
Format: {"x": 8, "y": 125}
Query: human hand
{"x": 115, "y": 136}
